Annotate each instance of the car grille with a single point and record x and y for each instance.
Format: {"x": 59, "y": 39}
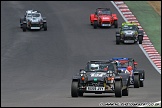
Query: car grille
{"x": 35, "y": 25}
{"x": 95, "y": 83}
{"x": 129, "y": 38}
{"x": 106, "y": 22}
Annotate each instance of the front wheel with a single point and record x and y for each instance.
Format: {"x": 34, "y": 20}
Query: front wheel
{"x": 95, "y": 25}
{"x": 24, "y": 27}
{"x": 136, "y": 81}
{"x": 74, "y": 89}
{"x": 140, "y": 38}
{"x": 117, "y": 40}
{"x": 116, "y": 24}
{"x": 118, "y": 89}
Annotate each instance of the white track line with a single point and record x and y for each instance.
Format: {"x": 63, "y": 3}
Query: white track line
{"x": 138, "y": 44}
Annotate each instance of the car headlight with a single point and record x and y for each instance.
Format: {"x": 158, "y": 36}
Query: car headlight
{"x": 82, "y": 72}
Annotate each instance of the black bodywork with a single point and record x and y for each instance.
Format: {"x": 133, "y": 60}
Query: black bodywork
{"x": 128, "y": 36}
{"x": 138, "y": 76}
{"x": 100, "y": 81}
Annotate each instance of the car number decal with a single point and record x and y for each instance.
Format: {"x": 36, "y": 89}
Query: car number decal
{"x": 98, "y": 74}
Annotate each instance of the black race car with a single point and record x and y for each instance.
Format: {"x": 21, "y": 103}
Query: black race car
{"x": 100, "y": 77}
{"x": 128, "y": 65}
{"x": 129, "y": 33}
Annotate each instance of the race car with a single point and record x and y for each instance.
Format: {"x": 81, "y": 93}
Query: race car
{"x": 100, "y": 77}
{"x": 103, "y": 17}
{"x": 33, "y": 20}
{"x": 129, "y": 33}
{"x": 128, "y": 65}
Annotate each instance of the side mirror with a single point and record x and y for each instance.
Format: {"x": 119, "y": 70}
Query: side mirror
{"x": 135, "y": 63}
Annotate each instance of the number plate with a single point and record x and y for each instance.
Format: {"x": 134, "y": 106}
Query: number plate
{"x": 89, "y": 88}
{"x": 106, "y": 24}
{"x": 35, "y": 27}
{"x": 128, "y": 41}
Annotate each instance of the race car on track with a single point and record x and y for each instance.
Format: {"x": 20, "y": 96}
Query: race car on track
{"x": 99, "y": 77}
{"x": 103, "y": 17}
{"x": 129, "y": 33}
{"x": 128, "y": 65}
{"x": 33, "y": 20}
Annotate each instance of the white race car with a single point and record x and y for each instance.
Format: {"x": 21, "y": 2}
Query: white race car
{"x": 33, "y": 20}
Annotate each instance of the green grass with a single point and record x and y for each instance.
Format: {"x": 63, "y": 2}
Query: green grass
{"x": 149, "y": 19}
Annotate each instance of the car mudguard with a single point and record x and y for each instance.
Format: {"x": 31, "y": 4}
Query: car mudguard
{"x": 114, "y": 16}
{"x": 44, "y": 21}
{"x": 136, "y": 72}
{"x": 44, "y": 18}
{"x": 93, "y": 17}
{"x": 117, "y": 33}
{"x": 118, "y": 78}
{"x": 125, "y": 78}
{"x": 75, "y": 78}
{"x": 140, "y": 33}
{"x": 24, "y": 22}
{"x": 142, "y": 73}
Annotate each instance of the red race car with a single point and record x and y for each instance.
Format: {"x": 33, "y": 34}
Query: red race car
{"x": 103, "y": 17}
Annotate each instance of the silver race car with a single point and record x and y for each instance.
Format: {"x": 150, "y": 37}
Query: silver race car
{"x": 33, "y": 20}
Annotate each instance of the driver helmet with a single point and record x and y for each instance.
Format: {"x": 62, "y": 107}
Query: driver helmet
{"x": 99, "y": 12}
{"x": 94, "y": 67}
{"x": 118, "y": 63}
{"x": 129, "y": 68}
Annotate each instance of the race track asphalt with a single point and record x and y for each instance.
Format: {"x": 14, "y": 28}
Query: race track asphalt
{"x": 37, "y": 66}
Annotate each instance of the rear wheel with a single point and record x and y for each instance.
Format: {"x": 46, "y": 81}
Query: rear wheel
{"x": 118, "y": 89}
{"x": 74, "y": 89}
{"x": 136, "y": 81}
{"x": 125, "y": 91}
{"x": 141, "y": 84}
{"x": 95, "y": 25}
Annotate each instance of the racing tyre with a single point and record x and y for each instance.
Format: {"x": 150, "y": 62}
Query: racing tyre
{"x": 116, "y": 24}
{"x": 24, "y": 27}
{"x": 45, "y": 26}
{"x": 117, "y": 40}
{"x": 118, "y": 89}
{"x": 80, "y": 94}
{"x": 143, "y": 74}
{"x": 125, "y": 92}
{"x": 140, "y": 39}
{"x": 21, "y": 22}
{"x": 74, "y": 89}
{"x": 141, "y": 84}
{"x": 95, "y": 25}
{"x": 136, "y": 81}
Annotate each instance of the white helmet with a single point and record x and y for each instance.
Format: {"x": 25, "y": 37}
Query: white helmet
{"x": 94, "y": 67}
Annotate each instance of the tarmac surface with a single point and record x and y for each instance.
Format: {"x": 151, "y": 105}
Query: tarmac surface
{"x": 37, "y": 66}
